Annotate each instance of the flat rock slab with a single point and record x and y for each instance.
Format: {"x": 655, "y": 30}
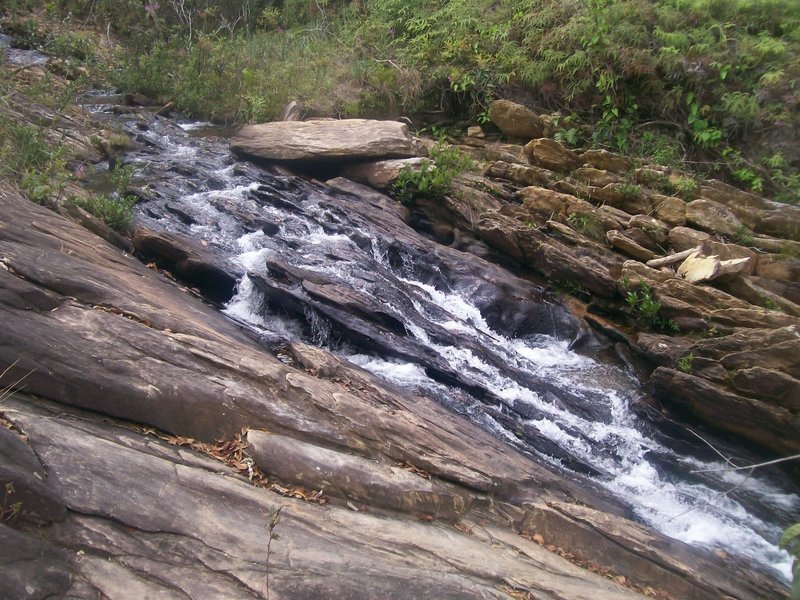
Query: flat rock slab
{"x": 324, "y": 140}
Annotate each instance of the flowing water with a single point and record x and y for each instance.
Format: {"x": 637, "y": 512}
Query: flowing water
{"x": 343, "y": 271}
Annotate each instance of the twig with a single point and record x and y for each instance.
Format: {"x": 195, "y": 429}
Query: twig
{"x": 755, "y": 466}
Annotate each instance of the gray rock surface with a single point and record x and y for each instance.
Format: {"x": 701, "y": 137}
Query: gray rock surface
{"x": 122, "y": 360}
{"x": 324, "y": 140}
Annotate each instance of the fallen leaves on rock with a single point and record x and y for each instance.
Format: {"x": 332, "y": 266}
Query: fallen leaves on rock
{"x": 648, "y": 591}
{"x": 232, "y": 453}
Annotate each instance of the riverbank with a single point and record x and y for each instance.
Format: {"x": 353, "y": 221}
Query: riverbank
{"x": 181, "y": 361}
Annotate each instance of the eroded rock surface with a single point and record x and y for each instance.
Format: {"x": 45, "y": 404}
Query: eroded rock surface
{"x": 122, "y": 514}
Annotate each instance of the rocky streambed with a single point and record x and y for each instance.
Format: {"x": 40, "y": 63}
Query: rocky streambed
{"x": 431, "y": 424}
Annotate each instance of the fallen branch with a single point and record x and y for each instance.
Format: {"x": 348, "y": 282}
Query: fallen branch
{"x": 672, "y": 258}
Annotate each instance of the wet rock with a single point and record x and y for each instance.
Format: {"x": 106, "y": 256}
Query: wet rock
{"x": 31, "y": 568}
{"x": 515, "y": 120}
{"x": 778, "y": 348}
{"x": 549, "y": 154}
{"x": 557, "y": 262}
{"x": 728, "y": 412}
{"x": 189, "y": 261}
{"x": 770, "y": 385}
{"x": 324, "y": 140}
{"x": 713, "y": 217}
{"x": 603, "y": 159}
{"x": 581, "y": 527}
{"x": 23, "y": 482}
{"x": 664, "y": 350}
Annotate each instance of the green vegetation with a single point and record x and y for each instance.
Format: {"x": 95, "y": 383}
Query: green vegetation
{"x": 710, "y": 83}
{"x": 588, "y": 225}
{"x": 433, "y": 178}
{"x": 790, "y": 541}
{"x": 685, "y": 363}
{"x": 666, "y": 79}
{"x": 646, "y": 308}
{"x": 34, "y": 155}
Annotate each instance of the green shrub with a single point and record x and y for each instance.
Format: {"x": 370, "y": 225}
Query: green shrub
{"x": 433, "y": 178}
{"x": 646, "y": 309}
{"x": 790, "y": 541}
{"x": 115, "y": 210}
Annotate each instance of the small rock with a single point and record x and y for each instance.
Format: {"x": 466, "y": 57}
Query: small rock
{"x": 515, "y": 120}
{"x": 596, "y": 177}
{"x": 627, "y": 246}
{"x": 551, "y": 155}
{"x": 669, "y": 209}
{"x": 603, "y": 159}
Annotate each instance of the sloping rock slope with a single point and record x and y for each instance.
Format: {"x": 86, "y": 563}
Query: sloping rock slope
{"x": 111, "y": 359}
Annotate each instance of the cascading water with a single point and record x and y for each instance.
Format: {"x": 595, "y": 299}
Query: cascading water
{"x": 426, "y": 319}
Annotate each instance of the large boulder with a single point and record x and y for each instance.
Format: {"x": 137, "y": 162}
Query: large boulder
{"x": 515, "y": 120}
{"x": 324, "y": 140}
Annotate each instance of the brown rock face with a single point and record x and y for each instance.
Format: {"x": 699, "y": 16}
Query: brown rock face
{"x": 550, "y": 154}
{"x": 671, "y": 210}
{"x": 627, "y": 246}
{"x": 324, "y": 140}
{"x": 603, "y": 159}
{"x": 713, "y": 217}
{"x": 515, "y": 120}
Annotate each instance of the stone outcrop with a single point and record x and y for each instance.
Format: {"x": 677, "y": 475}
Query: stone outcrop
{"x": 324, "y": 140}
{"x": 122, "y": 368}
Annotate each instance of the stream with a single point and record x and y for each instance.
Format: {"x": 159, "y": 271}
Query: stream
{"x": 344, "y": 271}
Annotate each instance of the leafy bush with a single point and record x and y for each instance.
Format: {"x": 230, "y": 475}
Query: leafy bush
{"x": 646, "y": 309}
{"x": 115, "y": 210}
{"x": 790, "y": 541}
{"x": 433, "y": 178}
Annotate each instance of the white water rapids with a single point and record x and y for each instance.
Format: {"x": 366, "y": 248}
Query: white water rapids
{"x": 688, "y": 506}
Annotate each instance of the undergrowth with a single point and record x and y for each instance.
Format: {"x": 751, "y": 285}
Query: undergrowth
{"x": 705, "y": 84}
{"x": 432, "y": 178}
